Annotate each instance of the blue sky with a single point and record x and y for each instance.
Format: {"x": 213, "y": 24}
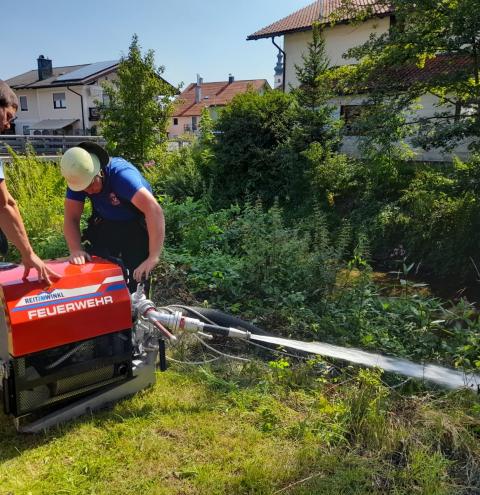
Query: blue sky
{"x": 188, "y": 36}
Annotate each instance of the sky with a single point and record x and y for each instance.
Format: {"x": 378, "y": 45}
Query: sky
{"x": 189, "y": 37}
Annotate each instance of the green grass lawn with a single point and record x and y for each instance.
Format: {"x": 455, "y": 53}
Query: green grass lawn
{"x": 207, "y": 433}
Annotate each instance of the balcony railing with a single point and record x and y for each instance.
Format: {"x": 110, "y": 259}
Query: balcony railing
{"x": 190, "y": 128}
{"x": 43, "y": 145}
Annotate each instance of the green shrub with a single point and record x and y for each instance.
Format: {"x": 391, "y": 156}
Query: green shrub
{"x": 178, "y": 174}
{"x": 284, "y": 265}
{"x": 252, "y": 259}
{"x": 254, "y": 155}
{"x": 39, "y": 190}
{"x": 437, "y": 220}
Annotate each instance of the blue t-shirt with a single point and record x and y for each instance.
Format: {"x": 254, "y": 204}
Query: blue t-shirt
{"x": 120, "y": 183}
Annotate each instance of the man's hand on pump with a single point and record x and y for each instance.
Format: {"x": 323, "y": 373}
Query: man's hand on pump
{"x": 79, "y": 257}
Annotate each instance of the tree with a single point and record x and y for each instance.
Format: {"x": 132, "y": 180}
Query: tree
{"x": 253, "y": 147}
{"x": 312, "y": 92}
{"x": 316, "y": 137}
{"x": 315, "y": 121}
{"x": 135, "y": 120}
{"x": 263, "y": 140}
{"x": 440, "y": 39}
{"x": 206, "y": 126}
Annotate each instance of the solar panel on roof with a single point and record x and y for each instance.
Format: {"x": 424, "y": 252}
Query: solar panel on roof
{"x": 87, "y": 71}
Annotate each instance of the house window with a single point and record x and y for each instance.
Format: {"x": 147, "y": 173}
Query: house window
{"x": 175, "y": 121}
{"x": 105, "y": 99}
{"x": 352, "y": 115}
{"x": 23, "y": 104}
{"x": 194, "y": 123}
{"x": 26, "y": 130}
{"x": 464, "y": 110}
{"x": 93, "y": 113}
{"x": 59, "y": 100}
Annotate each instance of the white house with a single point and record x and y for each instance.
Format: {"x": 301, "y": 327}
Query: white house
{"x": 60, "y": 100}
{"x": 340, "y": 36}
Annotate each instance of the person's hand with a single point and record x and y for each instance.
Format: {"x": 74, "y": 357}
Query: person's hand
{"x": 44, "y": 272}
{"x": 143, "y": 270}
{"x": 79, "y": 257}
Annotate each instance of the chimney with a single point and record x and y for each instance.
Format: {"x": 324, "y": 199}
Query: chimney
{"x": 44, "y": 68}
{"x": 230, "y": 79}
{"x": 198, "y": 89}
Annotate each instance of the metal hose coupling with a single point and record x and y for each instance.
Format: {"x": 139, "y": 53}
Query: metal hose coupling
{"x": 144, "y": 308}
{"x": 178, "y": 322}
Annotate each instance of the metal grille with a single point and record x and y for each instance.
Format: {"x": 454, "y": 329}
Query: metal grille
{"x": 65, "y": 373}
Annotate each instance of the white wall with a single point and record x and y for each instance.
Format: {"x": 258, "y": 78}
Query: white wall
{"x": 425, "y": 107}
{"x": 40, "y": 104}
{"x": 338, "y": 39}
{"x": 30, "y": 116}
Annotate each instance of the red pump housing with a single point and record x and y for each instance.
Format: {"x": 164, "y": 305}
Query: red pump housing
{"x": 88, "y": 301}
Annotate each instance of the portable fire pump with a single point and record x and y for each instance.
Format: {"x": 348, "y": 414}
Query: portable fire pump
{"x": 79, "y": 344}
{"x": 85, "y": 342}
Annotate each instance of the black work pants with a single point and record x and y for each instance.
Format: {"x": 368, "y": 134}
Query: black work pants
{"x": 126, "y": 240}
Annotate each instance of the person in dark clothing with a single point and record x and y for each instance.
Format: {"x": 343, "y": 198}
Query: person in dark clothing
{"x": 126, "y": 222}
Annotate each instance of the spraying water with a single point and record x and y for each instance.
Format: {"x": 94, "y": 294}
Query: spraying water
{"x": 437, "y": 374}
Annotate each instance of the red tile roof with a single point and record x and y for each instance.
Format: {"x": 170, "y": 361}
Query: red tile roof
{"x": 442, "y": 68}
{"x": 213, "y": 94}
{"x": 321, "y": 11}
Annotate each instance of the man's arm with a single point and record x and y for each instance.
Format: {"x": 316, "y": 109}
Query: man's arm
{"x": 12, "y": 225}
{"x": 71, "y": 230}
{"x": 146, "y": 203}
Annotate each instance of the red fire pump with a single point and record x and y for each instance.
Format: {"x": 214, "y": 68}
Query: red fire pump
{"x": 79, "y": 344}
{"x": 63, "y": 342}
{"x": 85, "y": 342}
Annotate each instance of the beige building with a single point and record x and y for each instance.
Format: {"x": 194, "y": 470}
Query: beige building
{"x": 210, "y": 95}
{"x": 296, "y": 30}
{"x": 60, "y": 100}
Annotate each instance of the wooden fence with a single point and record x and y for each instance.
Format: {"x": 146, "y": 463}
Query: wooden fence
{"x": 43, "y": 145}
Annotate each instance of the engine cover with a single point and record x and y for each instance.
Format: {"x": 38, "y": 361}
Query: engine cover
{"x": 88, "y": 301}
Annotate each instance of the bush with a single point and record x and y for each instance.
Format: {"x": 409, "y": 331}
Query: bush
{"x": 250, "y": 259}
{"x": 253, "y": 152}
{"x": 39, "y": 190}
{"x": 437, "y": 220}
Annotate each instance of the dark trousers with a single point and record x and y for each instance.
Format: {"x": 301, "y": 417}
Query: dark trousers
{"x": 127, "y": 241}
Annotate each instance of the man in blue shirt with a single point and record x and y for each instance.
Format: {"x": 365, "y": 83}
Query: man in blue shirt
{"x": 126, "y": 222}
{"x": 11, "y": 221}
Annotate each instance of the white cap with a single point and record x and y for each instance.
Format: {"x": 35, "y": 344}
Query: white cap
{"x": 79, "y": 167}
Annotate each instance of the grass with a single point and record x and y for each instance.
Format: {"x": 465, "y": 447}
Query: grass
{"x": 261, "y": 434}
{"x": 252, "y": 429}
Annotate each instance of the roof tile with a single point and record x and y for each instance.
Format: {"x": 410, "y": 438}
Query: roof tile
{"x": 213, "y": 94}
{"x": 320, "y": 11}
{"x": 442, "y": 66}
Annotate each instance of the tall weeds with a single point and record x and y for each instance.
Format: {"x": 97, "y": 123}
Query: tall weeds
{"x": 39, "y": 191}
